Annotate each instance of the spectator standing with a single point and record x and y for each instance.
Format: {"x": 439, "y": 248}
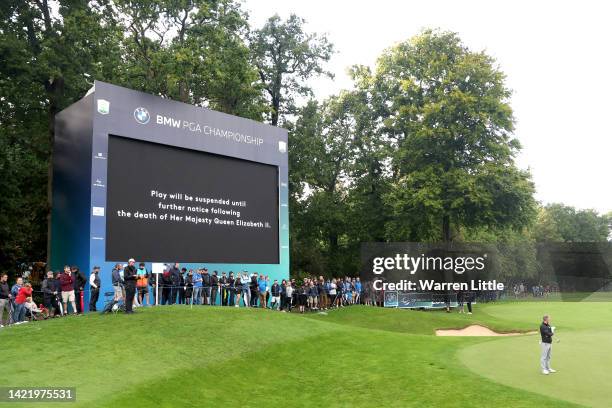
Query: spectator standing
{"x": 129, "y": 276}
{"x": 50, "y": 289}
{"x": 142, "y": 283}
{"x": 262, "y": 290}
{"x": 14, "y": 291}
{"x": 275, "y": 290}
{"x": 181, "y": 288}
{"x": 223, "y": 283}
{"x": 117, "y": 282}
{"x": 197, "y": 287}
{"x": 94, "y": 284}
{"x": 5, "y": 300}
{"x": 289, "y": 289}
{"x": 79, "y": 284}
{"x": 206, "y": 286}
{"x": 246, "y": 289}
{"x": 254, "y": 286}
{"x": 175, "y": 279}
{"x": 214, "y": 288}
{"x": 67, "y": 287}
{"x": 24, "y": 293}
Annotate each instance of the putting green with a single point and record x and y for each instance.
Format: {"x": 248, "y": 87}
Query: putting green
{"x": 583, "y": 356}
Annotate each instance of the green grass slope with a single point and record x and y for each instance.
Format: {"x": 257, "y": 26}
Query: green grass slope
{"x": 177, "y": 356}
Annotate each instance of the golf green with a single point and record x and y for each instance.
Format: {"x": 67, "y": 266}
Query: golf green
{"x": 582, "y": 357}
{"x": 357, "y": 356}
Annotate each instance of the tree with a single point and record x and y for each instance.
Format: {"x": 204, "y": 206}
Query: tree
{"x": 321, "y": 158}
{"x": 445, "y": 111}
{"x": 51, "y": 52}
{"x": 286, "y": 57}
{"x": 192, "y": 51}
{"x": 571, "y": 225}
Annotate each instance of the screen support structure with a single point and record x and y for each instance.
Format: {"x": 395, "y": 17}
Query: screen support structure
{"x": 80, "y": 164}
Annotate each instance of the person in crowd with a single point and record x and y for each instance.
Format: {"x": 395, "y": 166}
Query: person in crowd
{"x": 117, "y": 282}
{"x": 340, "y": 295}
{"x": 5, "y": 300}
{"x": 231, "y": 289}
{"x": 50, "y": 289}
{"x": 294, "y": 296}
{"x": 189, "y": 288}
{"x": 303, "y": 296}
{"x": 181, "y": 287}
{"x": 67, "y": 287}
{"x": 214, "y": 288}
{"x": 78, "y": 285}
{"x": 238, "y": 288}
{"x": 129, "y": 276}
{"x": 313, "y": 296}
{"x": 166, "y": 286}
{"x": 332, "y": 292}
{"x": 36, "y": 313}
{"x": 262, "y": 289}
{"x": 322, "y": 293}
{"x": 254, "y": 286}
{"x": 275, "y": 290}
{"x": 175, "y": 279}
{"x": 152, "y": 285}
{"x": 142, "y": 284}
{"x": 24, "y": 292}
{"x": 223, "y": 284}
{"x": 289, "y": 289}
{"x": 358, "y": 291}
{"x": 14, "y": 291}
{"x": 196, "y": 276}
{"x": 206, "y": 286}
{"x": 94, "y": 284}
{"x": 268, "y": 285}
{"x": 246, "y": 289}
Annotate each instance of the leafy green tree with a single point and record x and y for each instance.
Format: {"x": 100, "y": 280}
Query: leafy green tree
{"x": 50, "y": 51}
{"x": 192, "y": 51}
{"x": 286, "y": 57}
{"x": 545, "y": 228}
{"x": 572, "y": 225}
{"x": 445, "y": 111}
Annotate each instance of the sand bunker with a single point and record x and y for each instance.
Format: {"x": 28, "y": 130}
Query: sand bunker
{"x": 476, "y": 330}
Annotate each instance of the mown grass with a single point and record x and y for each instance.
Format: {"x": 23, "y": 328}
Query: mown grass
{"x": 226, "y": 357}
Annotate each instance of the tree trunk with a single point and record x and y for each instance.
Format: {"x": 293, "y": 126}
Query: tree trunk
{"x": 55, "y": 91}
{"x": 275, "y": 107}
{"x": 446, "y": 230}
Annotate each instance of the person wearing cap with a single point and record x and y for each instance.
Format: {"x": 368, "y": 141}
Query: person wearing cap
{"x": 224, "y": 283}
{"x": 94, "y": 283}
{"x": 129, "y": 276}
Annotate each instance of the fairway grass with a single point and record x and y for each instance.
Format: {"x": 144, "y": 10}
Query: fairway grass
{"x": 225, "y": 357}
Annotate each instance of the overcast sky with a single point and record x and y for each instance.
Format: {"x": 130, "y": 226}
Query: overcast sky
{"x": 557, "y": 57}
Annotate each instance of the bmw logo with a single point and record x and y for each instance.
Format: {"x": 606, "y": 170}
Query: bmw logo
{"x": 142, "y": 115}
